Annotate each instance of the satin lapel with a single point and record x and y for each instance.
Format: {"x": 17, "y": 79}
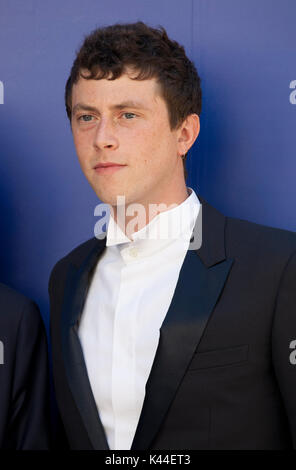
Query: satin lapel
{"x": 201, "y": 280}
{"x": 75, "y": 293}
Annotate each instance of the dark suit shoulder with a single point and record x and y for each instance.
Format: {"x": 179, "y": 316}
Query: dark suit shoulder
{"x": 24, "y": 374}
{"x": 251, "y": 237}
{"x": 14, "y": 304}
{"x": 75, "y": 256}
{"x": 81, "y": 251}
{"x": 20, "y": 317}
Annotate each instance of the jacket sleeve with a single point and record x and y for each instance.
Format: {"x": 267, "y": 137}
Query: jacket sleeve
{"x": 29, "y": 417}
{"x": 284, "y": 342}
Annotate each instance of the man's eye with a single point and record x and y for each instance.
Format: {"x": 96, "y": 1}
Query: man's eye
{"x": 87, "y": 116}
{"x": 129, "y": 114}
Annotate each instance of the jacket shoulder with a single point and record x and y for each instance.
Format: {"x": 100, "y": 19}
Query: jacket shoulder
{"x": 14, "y": 305}
{"x": 75, "y": 256}
{"x": 259, "y": 237}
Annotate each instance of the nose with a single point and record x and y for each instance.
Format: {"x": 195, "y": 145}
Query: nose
{"x": 105, "y": 135}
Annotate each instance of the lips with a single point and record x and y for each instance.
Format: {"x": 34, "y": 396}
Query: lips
{"x": 107, "y": 168}
{"x": 107, "y": 165}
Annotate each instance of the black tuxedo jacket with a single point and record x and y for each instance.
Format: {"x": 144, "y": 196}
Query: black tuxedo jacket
{"x": 223, "y": 376}
{"x": 24, "y": 382}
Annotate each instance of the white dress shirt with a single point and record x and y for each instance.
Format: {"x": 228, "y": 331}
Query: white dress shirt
{"x": 129, "y": 296}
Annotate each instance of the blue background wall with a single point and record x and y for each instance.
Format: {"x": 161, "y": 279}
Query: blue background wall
{"x": 243, "y": 161}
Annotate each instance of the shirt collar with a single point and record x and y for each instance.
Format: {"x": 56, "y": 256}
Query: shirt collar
{"x": 177, "y": 222}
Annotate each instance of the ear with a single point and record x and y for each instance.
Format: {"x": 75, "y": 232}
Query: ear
{"x": 187, "y": 133}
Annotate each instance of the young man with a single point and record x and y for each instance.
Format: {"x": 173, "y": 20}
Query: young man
{"x": 158, "y": 344}
{"x": 24, "y": 380}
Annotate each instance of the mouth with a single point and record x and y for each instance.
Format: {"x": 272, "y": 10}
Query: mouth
{"x": 107, "y": 168}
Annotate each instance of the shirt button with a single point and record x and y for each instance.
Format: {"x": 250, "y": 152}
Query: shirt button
{"x": 134, "y": 252}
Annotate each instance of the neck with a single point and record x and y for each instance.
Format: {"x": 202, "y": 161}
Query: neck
{"x": 133, "y": 216}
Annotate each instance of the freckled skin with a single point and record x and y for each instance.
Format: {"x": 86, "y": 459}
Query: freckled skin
{"x": 139, "y": 138}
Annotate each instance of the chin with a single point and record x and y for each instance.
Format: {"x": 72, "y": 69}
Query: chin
{"x": 108, "y": 197}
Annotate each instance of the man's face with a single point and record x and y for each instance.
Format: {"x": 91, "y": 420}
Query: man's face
{"x": 126, "y": 122}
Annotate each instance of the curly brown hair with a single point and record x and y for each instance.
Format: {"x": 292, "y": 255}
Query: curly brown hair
{"x": 108, "y": 51}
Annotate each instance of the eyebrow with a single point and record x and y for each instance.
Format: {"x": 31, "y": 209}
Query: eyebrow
{"x": 125, "y": 104}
